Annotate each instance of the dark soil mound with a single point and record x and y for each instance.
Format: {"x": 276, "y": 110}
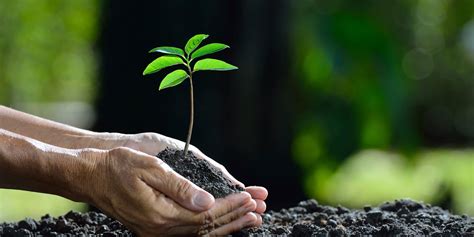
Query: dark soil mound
{"x": 399, "y": 218}
{"x": 200, "y": 172}
{"x": 71, "y": 224}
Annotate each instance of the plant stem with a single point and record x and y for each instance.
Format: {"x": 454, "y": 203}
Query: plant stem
{"x": 191, "y": 120}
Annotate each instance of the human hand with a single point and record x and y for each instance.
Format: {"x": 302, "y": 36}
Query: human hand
{"x": 153, "y": 143}
{"x": 150, "y": 198}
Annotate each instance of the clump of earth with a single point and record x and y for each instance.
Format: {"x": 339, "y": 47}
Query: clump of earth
{"x": 200, "y": 172}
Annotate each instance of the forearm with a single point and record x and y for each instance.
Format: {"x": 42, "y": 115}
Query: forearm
{"x": 55, "y": 133}
{"x": 28, "y": 164}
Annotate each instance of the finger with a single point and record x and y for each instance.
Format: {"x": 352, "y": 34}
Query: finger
{"x": 259, "y": 220}
{"x": 257, "y": 192}
{"x": 230, "y": 203}
{"x": 261, "y": 206}
{"x": 175, "y": 186}
{"x": 207, "y": 219}
{"x": 248, "y": 220}
{"x": 250, "y": 206}
{"x": 223, "y": 207}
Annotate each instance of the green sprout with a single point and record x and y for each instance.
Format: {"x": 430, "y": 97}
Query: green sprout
{"x": 177, "y": 56}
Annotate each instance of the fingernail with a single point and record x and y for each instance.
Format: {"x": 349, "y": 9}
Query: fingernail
{"x": 244, "y": 197}
{"x": 203, "y": 200}
{"x": 251, "y": 220}
{"x": 252, "y": 205}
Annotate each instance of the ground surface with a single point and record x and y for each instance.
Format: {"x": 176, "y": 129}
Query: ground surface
{"x": 308, "y": 218}
{"x": 398, "y": 218}
{"x": 71, "y": 224}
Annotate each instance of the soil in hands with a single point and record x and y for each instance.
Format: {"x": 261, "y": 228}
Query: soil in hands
{"x": 398, "y": 218}
{"x": 200, "y": 172}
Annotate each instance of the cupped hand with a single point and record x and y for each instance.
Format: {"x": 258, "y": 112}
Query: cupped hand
{"x": 153, "y": 143}
{"x": 150, "y": 198}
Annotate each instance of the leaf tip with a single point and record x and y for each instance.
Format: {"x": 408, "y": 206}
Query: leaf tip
{"x": 162, "y": 87}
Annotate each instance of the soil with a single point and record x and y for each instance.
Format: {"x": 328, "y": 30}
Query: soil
{"x": 71, "y": 224}
{"x": 398, "y": 218}
{"x": 308, "y": 218}
{"x": 200, "y": 172}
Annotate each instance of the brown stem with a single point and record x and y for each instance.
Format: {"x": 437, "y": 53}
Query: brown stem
{"x": 191, "y": 120}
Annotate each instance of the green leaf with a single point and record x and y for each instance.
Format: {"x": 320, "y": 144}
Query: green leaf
{"x": 168, "y": 50}
{"x": 173, "y": 79}
{"x": 213, "y": 65}
{"x": 208, "y": 49}
{"x": 162, "y": 62}
{"x": 194, "y": 42}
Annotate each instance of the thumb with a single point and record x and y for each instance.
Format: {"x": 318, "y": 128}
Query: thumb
{"x": 179, "y": 189}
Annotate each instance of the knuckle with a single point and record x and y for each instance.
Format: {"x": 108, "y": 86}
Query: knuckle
{"x": 222, "y": 168}
{"x": 195, "y": 149}
{"x": 160, "y": 164}
{"x": 207, "y": 224}
{"x": 158, "y": 223}
{"x": 183, "y": 187}
{"x": 148, "y": 136}
{"x": 118, "y": 151}
{"x": 208, "y": 218}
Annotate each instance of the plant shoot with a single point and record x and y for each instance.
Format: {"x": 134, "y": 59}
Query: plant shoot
{"x": 176, "y": 56}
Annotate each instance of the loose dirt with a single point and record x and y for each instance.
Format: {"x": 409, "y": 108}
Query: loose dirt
{"x": 200, "y": 172}
{"x": 398, "y": 218}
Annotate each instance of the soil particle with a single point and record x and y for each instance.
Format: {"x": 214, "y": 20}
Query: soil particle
{"x": 398, "y": 218}
{"x": 200, "y": 172}
{"x": 28, "y": 224}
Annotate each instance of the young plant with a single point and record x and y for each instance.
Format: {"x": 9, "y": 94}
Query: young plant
{"x": 176, "y": 56}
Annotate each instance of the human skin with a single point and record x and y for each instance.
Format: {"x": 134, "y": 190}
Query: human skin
{"x": 44, "y": 156}
{"x": 66, "y": 136}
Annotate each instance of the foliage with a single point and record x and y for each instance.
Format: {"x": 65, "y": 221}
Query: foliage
{"x": 46, "y": 51}
{"x": 176, "y": 56}
{"x": 392, "y": 77}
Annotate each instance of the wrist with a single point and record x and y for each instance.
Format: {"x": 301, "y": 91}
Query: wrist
{"x": 28, "y": 164}
{"x": 105, "y": 140}
{"x": 82, "y": 180}
{"x": 68, "y": 172}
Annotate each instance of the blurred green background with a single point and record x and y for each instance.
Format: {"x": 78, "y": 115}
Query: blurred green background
{"x": 382, "y": 94}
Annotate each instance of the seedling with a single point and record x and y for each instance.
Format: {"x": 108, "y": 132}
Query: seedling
{"x": 177, "y": 56}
